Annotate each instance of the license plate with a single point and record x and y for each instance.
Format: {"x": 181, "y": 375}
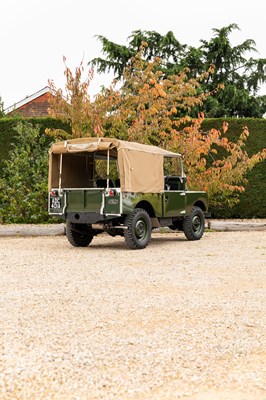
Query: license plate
{"x": 55, "y": 202}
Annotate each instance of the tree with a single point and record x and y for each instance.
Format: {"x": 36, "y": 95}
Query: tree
{"x": 74, "y": 107}
{"x": 23, "y": 182}
{"x": 241, "y": 76}
{"x": 167, "y": 47}
{"x": 149, "y": 108}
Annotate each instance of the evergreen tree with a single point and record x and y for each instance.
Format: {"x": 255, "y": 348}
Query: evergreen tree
{"x": 241, "y": 77}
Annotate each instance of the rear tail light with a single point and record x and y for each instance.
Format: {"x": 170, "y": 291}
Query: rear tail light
{"x": 112, "y": 192}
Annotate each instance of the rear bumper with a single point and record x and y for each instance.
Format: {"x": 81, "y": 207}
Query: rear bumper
{"x": 84, "y": 217}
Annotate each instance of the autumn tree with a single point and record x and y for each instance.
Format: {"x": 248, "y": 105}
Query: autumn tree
{"x": 74, "y": 105}
{"x": 149, "y": 108}
{"x": 154, "y": 109}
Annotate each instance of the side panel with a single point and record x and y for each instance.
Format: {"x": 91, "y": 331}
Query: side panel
{"x": 167, "y": 204}
{"x": 195, "y": 196}
{"x": 131, "y": 200}
{"x": 112, "y": 203}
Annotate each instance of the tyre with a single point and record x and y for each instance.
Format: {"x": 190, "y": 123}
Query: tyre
{"x": 193, "y": 225}
{"x": 79, "y": 235}
{"x": 138, "y": 232}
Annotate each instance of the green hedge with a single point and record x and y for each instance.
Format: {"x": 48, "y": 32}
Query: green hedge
{"x": 252, "y": 201}
{"x": 7, "y": 132}
{"x": 256, "y": 126}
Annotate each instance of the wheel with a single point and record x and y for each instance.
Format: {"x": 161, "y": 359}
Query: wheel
{"x": 79, "y": 235}
{"x": 193, "y": 225}
{"x": 138, "y": 232}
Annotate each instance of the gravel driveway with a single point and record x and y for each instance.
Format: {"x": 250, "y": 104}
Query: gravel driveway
{"x": 177, "y": 320}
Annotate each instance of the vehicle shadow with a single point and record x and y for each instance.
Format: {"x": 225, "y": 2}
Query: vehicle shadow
{"x": 118, "y": 243}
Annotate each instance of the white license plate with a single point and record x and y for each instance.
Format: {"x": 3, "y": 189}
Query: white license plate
{"x": 55, "y": 202}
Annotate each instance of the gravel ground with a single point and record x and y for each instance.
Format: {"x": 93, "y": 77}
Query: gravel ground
{"x": 177, "y": 320}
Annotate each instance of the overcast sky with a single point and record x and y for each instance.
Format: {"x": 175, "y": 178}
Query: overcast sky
{"x": 36, "y": 34}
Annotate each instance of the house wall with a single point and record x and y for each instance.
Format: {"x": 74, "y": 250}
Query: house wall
{"x": 35, "y": 108}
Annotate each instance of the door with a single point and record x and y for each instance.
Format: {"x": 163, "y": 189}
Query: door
{"x": 174, "y": 203}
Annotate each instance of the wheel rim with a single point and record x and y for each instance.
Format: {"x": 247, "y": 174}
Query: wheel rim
{"x": 196, "y": 224}
{"x": 141, "y": 229}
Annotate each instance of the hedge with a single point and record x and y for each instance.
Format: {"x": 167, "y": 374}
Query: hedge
{"x": 252, "y": 202}
{"x": 7, "y": 132}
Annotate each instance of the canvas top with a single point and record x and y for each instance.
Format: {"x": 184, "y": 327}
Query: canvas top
{"x": 140, "y": 166}
{"x": 92, "y": 144}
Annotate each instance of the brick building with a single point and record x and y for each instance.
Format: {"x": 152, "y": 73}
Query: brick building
{"x": 35, "y": 105}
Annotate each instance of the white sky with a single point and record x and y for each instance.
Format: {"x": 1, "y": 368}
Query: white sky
{"x": 36, "y": 34}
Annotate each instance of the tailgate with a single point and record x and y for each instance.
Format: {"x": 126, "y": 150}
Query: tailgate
{"x": 86, "y": 200}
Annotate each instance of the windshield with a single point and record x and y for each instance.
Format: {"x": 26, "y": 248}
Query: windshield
{"x": 173, "y": 166}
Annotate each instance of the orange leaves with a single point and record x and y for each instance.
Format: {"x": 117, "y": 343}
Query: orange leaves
{"x": 163, "y": 135}
{"x": 173, "y": 111}
{"x": 244, "y": 135}
{"x": 146, "y": 109}
{"x": 225, "y": 126}
{"x": 74, "y": 105}
{"x": 157, "y": 91}
{"x": 153, "y": 111}
{"x": 213, "y": 162}
{"x": 211, "y": 69}
{"x": 145, "y": 87}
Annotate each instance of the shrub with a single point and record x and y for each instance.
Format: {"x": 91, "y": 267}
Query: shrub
{"x": 23, "y": 182}
{"x": 8, "y": 133}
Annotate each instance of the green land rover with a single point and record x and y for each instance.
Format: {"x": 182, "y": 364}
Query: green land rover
{"x": 122, "y": 188}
